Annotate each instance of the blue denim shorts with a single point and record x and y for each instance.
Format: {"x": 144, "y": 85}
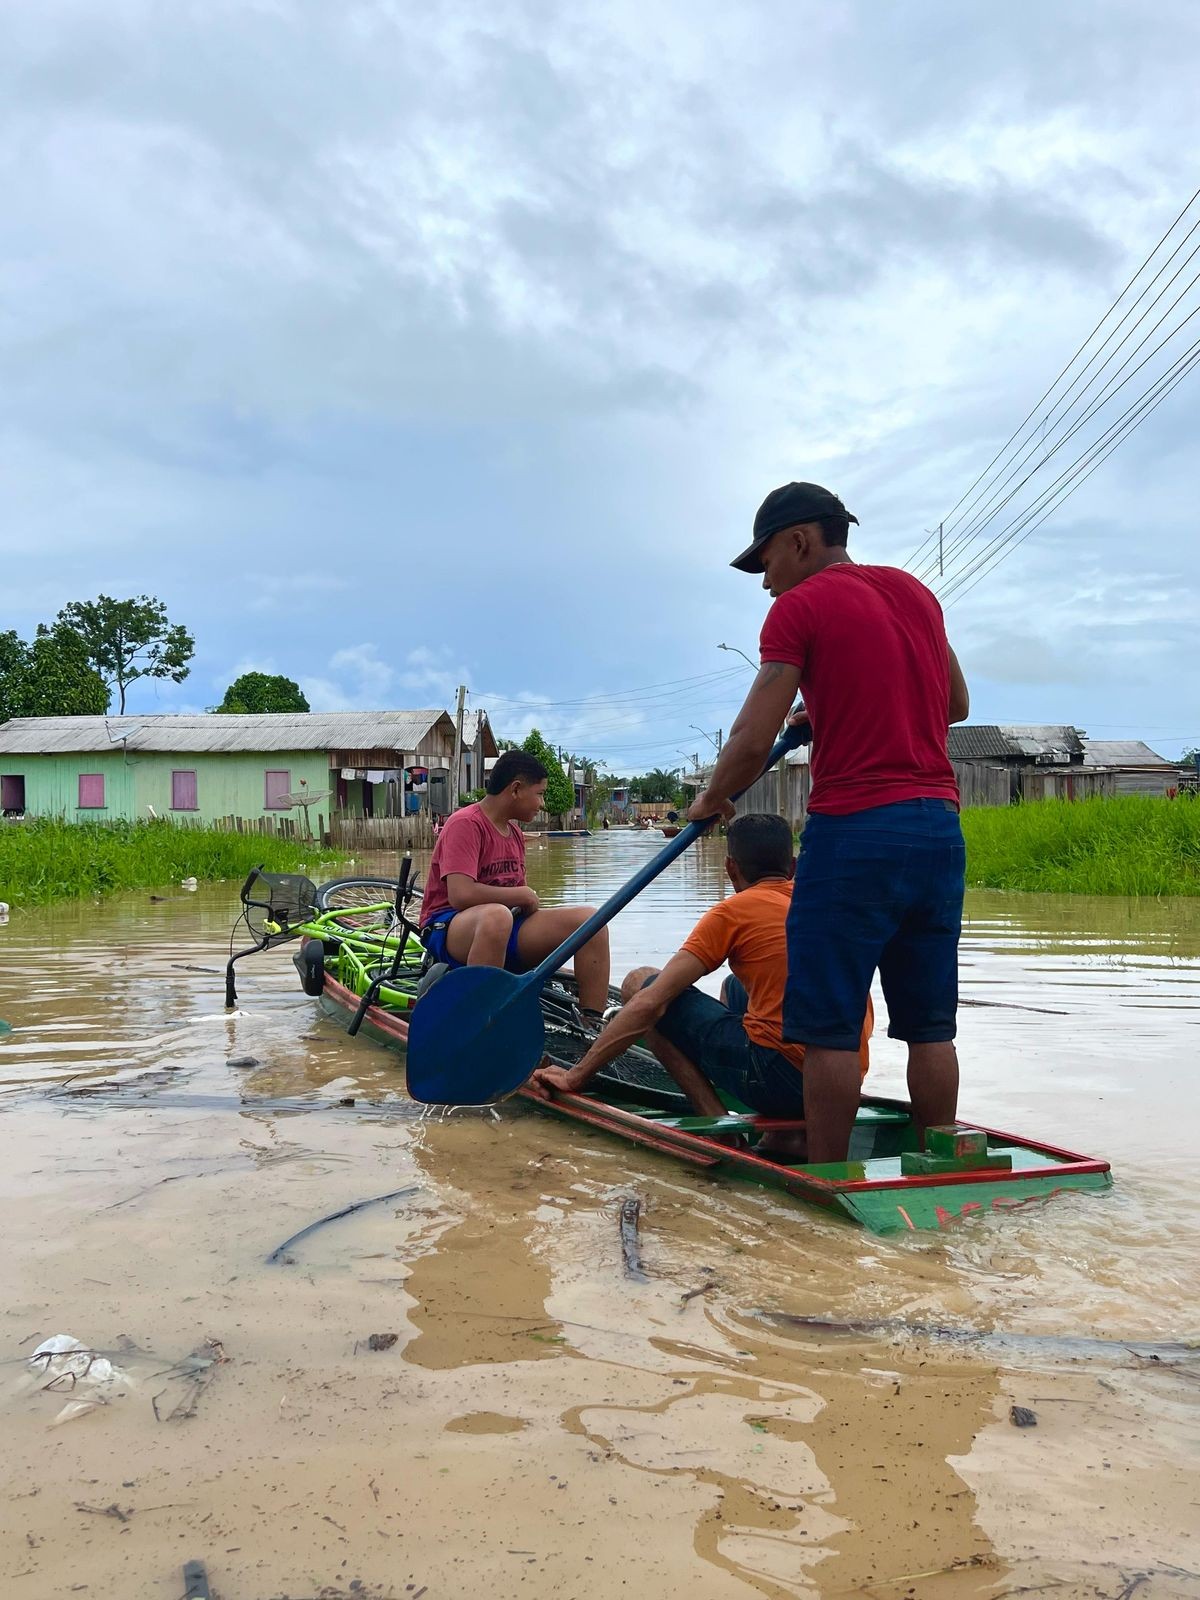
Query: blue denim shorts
{"x": 712, "y": 1037}
{"x": 434, "y": 936}
{"x": 877, "y": 890}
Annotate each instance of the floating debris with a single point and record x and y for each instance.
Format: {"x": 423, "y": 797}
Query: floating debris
{"x": 280, "y": 1253}
{"x": 630, "y": 1215}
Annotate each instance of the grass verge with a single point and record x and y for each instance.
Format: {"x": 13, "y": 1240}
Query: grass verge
{"x": 1127, "y": 845}
{"x": 47, "y": 859}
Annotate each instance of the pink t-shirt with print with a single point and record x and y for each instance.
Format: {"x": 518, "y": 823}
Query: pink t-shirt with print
{"x": 470, "y": 844}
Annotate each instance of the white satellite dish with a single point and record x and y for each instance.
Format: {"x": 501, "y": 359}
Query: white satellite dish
{"x": 303, "y": 798}
{"x": 122, "y": 734}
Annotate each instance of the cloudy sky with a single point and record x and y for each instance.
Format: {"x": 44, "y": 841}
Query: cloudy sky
{"x": 399, "y": 346}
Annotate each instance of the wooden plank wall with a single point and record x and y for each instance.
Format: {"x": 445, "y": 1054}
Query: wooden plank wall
{"x": 982, "y": 786}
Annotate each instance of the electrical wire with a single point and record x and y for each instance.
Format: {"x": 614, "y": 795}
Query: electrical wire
{"x": 1081, "y": 470}
{"x": 1034, "y": 410}
{"x": 620, "y": 695}
{"x": 1112, "y": 388}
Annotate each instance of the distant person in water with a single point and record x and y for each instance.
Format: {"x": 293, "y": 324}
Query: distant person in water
{"x": 734, "y": 1044}
{"x": 478, "y": 909}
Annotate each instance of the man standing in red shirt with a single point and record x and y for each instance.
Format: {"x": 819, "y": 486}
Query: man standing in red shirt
{"x": 879, "y": 881}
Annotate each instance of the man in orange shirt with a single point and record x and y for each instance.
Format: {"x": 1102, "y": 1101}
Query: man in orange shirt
{"x": 734, "y": 1044}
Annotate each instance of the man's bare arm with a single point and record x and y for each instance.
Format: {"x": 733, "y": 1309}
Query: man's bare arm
{"x": 629, "y": 1024}
{"x": 960, "y": 699}
{"x": 463, "y": 892}
{"x": 754, "y": 731}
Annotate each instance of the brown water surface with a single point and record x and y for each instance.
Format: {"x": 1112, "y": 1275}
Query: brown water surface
{"x": 541, "y": 1425}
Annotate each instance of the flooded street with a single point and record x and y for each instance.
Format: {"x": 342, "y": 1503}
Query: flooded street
{"x": 541, "y": 1425}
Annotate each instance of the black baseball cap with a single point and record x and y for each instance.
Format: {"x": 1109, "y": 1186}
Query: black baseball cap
{"x": 784, "y": 508}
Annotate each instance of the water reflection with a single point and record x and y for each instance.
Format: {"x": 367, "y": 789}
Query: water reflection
{"x": 575, "y": 1421}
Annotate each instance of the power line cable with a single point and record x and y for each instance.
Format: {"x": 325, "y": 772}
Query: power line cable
{"x": 1102, "y": 448}
{"x": 1004, "y": 449}
{"x": 971, "y": 574}
{"x": 615, "y": 694}
{"x": 1111, "y": 388}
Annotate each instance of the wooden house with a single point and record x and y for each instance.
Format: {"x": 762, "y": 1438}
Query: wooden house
{"x": 256, "y": 769}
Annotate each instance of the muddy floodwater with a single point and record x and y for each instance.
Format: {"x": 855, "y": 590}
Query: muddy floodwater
{"x": 540, "y": 1424}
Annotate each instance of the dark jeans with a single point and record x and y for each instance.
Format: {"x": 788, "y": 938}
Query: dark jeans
{"x": 876, "y": 890}
{"x": 713, "y": 1039}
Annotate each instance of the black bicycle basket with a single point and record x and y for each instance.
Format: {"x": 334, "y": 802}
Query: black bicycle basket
{"x": 276, "y": 903}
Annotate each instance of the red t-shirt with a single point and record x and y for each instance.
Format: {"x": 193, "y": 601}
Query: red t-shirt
{"x": 874, "y": 664}
{"x": 470, "y": 844}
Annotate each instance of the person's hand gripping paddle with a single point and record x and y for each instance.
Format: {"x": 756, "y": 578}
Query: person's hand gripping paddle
{"x": 478, "y": 1033}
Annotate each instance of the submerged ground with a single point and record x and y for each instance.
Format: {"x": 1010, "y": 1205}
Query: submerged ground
{"x": 542, "y": 1425}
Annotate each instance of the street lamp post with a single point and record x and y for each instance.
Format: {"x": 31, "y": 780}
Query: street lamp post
{"x": 735, "y": 651}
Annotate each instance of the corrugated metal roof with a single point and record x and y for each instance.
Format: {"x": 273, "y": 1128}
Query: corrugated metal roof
{"x": 315, "y": 730}
{"x": 978, "y": 741}
{"x": 1034, "y": 739}
{"x": 1012, "y": 741}
{"x": 1121, "y": 753}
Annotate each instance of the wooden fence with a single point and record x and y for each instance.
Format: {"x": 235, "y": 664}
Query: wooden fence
{"x": 277, "y": 827}
{"x": 382, "y": 833}
{"x": 786, "y": 788}
{"x": 344, "y": 833}
{"x": 1065, "y": 783}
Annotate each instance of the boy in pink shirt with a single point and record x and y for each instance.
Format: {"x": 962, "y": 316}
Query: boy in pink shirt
{"x": 479, "y": 911}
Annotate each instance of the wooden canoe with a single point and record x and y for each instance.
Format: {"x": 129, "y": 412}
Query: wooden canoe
{"x": 635, "y": 1100}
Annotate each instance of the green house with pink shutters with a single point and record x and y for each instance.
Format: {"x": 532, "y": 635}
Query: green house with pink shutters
{"x": 209, "y": 768}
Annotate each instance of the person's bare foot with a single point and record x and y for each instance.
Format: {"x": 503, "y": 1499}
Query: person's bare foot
{"x": 790, "y": 1148}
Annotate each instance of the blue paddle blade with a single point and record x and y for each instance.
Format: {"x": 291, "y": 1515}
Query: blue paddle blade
{"x": 474, "y": 1037}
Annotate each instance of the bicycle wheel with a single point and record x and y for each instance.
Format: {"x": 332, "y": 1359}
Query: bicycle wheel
{"x": 349, "y": 894}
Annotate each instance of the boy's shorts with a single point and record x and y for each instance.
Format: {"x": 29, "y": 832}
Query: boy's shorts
{"x": 712, "y": 1036}
{"x": 434, "y": 936}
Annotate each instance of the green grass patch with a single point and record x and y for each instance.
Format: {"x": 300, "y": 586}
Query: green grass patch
{"x": 48, "y": 859}
{"x": 1127, "y": 845}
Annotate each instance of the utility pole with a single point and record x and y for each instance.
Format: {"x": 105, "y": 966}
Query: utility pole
{"x": 720, "y": 739}
{"x": 477, "y": 756}
{"x": 456, "y": 769}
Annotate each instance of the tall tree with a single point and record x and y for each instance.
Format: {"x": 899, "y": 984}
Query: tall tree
{"x": 130, "y": 639}
{"x": 560, "y": 793}
{"x": 659, "y": 785}
{"x": 258, "y": 692}
{"x": 50, "y": 677}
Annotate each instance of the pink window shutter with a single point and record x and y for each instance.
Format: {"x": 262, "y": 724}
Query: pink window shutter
{"x": 91, "y": 791}
{"x": 278, "y": 786}
{"x": 183, "y": 791}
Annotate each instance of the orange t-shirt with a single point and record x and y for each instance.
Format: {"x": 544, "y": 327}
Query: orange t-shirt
{"x": 749, "y": 930}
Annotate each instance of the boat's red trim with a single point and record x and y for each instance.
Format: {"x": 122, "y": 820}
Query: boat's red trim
{"x": 583, "y": 1112}
{"x": 384, "y": 1021}
{"x": 625, "y": 1122}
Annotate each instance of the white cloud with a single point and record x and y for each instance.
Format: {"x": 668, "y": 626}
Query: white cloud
{"x": 479, "y": 332}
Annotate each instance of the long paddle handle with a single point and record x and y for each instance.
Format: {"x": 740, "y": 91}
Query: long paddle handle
{"x": 791, "y": 739}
